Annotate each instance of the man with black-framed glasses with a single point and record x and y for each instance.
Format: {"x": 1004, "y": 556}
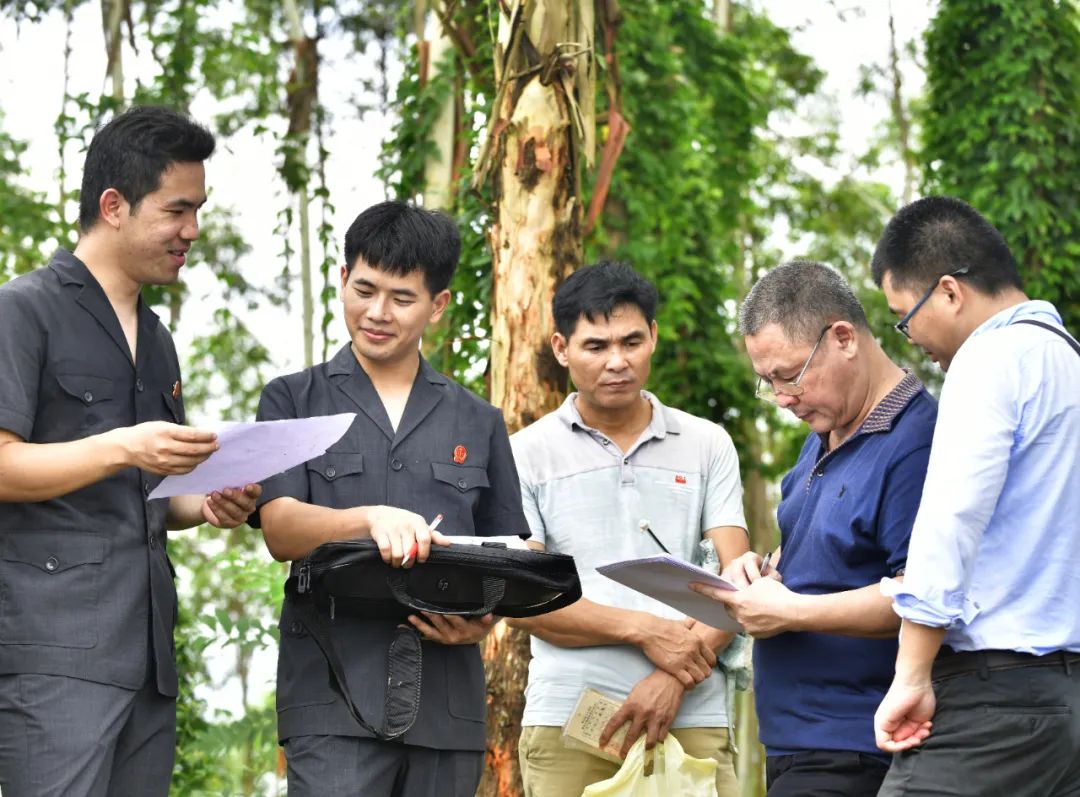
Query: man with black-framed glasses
{"x": 901, "y": 326}
{"x": 986, "y": 693}
{"x": 825, "y": 637}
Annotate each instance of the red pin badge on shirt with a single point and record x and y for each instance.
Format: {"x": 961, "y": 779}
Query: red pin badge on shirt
{"x": 460, "y": 453}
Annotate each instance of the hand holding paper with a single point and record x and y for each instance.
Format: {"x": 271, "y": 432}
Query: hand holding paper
{"x": 764, "y": 609}
{"x": 668, "y": 580}
{"x": 250, "y": 452}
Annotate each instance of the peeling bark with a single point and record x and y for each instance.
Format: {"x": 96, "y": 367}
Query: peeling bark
{"x": 540, "y": 133}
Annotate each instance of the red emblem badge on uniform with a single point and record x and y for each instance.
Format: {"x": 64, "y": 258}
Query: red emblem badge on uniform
{"x": 176, "y": 390}
{"x": 460, "y": 452}
{"x": 680, "y": 479}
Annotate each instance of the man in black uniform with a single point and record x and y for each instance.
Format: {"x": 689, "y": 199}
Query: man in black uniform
{"x": 421, "y": 445}
{"x": 91, "y": 419}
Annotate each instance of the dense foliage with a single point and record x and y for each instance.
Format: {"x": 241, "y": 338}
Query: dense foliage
{"x": 1002, "y": 130}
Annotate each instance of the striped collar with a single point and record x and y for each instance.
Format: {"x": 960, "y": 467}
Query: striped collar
{"x": 880, "y": 419}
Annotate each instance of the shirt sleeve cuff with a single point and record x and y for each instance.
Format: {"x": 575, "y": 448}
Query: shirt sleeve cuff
{"x": 16, "y": 422}
{"x": 937, "y": 609}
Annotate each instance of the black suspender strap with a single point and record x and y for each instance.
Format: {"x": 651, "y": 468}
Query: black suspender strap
{"x": 1068, "y": 338}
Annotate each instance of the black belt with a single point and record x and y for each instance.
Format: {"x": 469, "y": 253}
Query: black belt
{"x": 950, "y": 663}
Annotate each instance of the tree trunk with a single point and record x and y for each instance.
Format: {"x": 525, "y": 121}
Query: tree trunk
{"x": 301, "y": 93}
{"x": 764, "y": 536}
{"x": 113, "y": 13}
{"x": 538, "y": 139}
{"x": 901, "y": 117}
{"x": 440, "y": 182}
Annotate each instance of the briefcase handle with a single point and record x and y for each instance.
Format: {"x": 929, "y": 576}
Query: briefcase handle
{"x": 494, "y": 589}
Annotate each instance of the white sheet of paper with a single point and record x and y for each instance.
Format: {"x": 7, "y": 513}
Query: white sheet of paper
{"x": 668, "y": 580}
{"x": 250, "y": 452}
{"x": 511, "y": 542}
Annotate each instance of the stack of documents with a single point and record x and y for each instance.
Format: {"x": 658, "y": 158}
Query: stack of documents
{"x": 668, "y": 580}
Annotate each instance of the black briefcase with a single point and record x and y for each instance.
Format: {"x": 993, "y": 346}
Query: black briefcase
{"x": 350, "y": 578}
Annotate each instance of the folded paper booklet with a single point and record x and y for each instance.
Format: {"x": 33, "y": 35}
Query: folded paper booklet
{"x": 587, "y": 721}
{"x": 668, "y": 580}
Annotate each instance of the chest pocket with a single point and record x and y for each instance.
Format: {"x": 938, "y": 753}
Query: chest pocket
{"x": 93, "y": 401}
{"x": 458, "y": 489}
{"x": 333, "y": 477}
{"x": 462, "y": 477}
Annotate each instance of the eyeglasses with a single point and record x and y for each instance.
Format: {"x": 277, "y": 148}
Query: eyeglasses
{"x": 901, "y": 326}
{"x": 769, "y": 392}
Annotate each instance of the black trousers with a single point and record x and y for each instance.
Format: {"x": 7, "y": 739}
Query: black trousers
{"x": 1010, "y": 729}
{"x": 824, "y": 773}
{"x": 64, "y": 737}
{"x": 346, "y": 766}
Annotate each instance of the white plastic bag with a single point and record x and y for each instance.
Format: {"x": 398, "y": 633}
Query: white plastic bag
{"x": 674, "y": 774}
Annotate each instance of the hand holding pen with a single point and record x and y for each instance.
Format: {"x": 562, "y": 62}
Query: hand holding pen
{"x": 415, "y": 547}
{"x": 749, "y": 567}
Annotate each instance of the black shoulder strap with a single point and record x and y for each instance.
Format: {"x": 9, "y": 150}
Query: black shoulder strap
{"x": 1068, "y": 338}
{"x": 403, "y": 673}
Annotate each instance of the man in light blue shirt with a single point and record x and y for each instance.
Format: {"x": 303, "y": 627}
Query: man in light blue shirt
{"x": 986, "y": 697}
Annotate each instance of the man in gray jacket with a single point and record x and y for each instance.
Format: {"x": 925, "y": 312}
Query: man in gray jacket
{"x": 91, "y": 419}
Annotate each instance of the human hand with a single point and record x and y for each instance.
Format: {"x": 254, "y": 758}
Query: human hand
{"x": 746, "y": 569}
{"x": 452, "y": 629}
{"x": 230, "y": 507}
{"x": 166, "y": 449}
{"x": 905, "y": 716}
{"x": 675, "y": 649}
{"x": 650, "y": 709}
{"x": 394, "y": 531}
{"x": 765, "y": 608}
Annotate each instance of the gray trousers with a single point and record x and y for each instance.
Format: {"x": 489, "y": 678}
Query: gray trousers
{"x": 65, "y": 737}
{"x": 998, "y": 733}
{"x": 345, "y": 766}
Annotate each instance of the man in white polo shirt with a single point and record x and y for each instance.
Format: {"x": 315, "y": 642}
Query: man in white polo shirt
{"x": 614, "y": 474}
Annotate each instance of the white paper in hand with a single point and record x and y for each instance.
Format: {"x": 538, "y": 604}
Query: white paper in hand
{"x": 668, "y": 580}
{"x": 250, "y": 452}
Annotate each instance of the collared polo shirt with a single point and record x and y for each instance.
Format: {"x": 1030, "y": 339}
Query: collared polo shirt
{"x": 450, "y": 454}
{"x": 584, "y": 497}
{"x": 85, "y": 575}
{"x": 845, "y": 518}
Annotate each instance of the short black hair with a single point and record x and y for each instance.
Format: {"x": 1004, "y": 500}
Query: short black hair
{"x": 400, "y": 238}
{"x": 937, "y": 235}
{"x": 801, "y": 297}
{"x": 133, "y": 151}
{"x": 597, "y": 290}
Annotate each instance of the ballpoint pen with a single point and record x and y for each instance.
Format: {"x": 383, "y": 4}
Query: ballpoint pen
{"x": 765, "y": 563}
{"x": 415, "y": 547}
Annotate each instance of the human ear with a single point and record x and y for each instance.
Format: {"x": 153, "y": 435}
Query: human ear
{"x": 559, "y": 345}
{"x": 440, "y": 301}
{"x": 110, "y": 204}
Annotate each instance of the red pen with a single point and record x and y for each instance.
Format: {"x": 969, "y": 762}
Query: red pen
{"x": 411, "y": 554}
